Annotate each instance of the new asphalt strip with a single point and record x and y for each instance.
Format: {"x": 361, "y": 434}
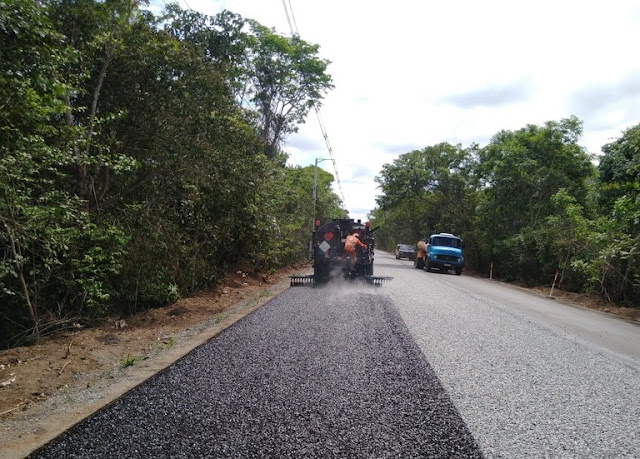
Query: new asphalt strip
{"x": 310, "y": 374}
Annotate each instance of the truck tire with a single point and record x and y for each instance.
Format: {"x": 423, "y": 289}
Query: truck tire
{"x": 418, "y": 263}
{"x": 427, "y": 267}
{"x": 458, "y": 271}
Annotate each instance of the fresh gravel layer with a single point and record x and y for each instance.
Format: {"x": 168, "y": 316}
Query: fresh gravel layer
{"x": 317, "y": 372}
{"x": 523, "y": 389}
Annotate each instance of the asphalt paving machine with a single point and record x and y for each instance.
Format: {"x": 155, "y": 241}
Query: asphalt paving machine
{"x": 331, "y": 261}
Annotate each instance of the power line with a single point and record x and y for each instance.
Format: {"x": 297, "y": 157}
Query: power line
{"x": 286, "y": 12}
{"x": 294, "y": 31}
{"x": 328, "y": 144}
{"x": 292, "y": 16}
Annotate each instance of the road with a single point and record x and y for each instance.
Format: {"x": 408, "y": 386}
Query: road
{"x": 427, "y": 365}
{"x": 529, "y": 376}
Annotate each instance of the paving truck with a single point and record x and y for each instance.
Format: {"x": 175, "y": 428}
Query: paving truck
{"x": 441, "y": 251}
{"x": 331, "y": 261}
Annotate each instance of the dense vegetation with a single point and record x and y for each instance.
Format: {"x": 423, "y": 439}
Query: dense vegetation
{"x": 140, "y": 156}
{"x": 530, "y": 205}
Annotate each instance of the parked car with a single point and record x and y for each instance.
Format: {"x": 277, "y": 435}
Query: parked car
{"x": 405, "y": 251}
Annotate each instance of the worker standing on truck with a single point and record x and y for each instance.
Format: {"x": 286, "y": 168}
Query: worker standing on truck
{"x": 350, "y": 244}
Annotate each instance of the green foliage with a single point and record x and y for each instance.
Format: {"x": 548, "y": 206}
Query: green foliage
{"x": 52, "y": 266}
{"x": 96, "y": 32}
{"x": 130, "y": 174}
{"x": 129, "y": 360}
{"x": 521, "y": 172}
{"x": 565, "y": 238}
{"x": 427, "y": 191}
{"x": 140, "y": 158}
{"x": 286, "y": 79}
{"x": 615, "y": 271}
{"x": 287, "y": 204}
{"x": 523, "y": 169}
{"x": 619, "y": 168}
{"x": 526, "y": 203}
{"x": 274, "y": 78}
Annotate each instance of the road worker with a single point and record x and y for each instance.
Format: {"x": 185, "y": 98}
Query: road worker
{"x": 350, "y": 244}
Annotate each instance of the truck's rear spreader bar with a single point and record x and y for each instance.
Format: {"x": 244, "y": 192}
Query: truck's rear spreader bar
{"x": 310, "y": 280}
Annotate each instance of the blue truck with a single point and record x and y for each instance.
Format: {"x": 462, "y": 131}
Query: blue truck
{"x": 441, "y": 251}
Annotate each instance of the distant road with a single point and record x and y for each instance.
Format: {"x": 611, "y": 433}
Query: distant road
{"x": 427, "y": 365}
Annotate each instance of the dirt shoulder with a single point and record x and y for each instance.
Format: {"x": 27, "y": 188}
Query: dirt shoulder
{"x": 48, "y": 387}
{"x": 587, "y": 301}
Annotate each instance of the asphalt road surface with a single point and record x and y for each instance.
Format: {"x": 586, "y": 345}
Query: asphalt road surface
{"x": 427, "y": 365}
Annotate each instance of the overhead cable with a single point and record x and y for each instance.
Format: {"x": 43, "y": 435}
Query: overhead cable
{"x": 294, "y": 31}
{"x": 286, "y": 12}
{"x": 292, "y": 17}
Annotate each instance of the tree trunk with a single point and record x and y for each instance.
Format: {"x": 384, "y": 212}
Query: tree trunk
{"x": 17, "y": 256}
{"x": 625, "y": 279}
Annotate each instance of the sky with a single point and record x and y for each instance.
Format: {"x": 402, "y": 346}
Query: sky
{"x": 409, "y": 74}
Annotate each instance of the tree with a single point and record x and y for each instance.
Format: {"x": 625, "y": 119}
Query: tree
{"x": 52, "y": 266}
{"x": 619, "y": 167}
{"x": 222, "y": 40}
{"x": 94, "y": 30}
{"x": 615, "y": 270}
{"x": 191, "y": 203}
{"x": 121, "y": 134}
{"x": 425, "y": 191}
{"x": 521, "y": 171}
{"x": 286, "y": 202}
{"x": 31, "y": 53}
{"x": 287, "y": 80}
{"x": 276, "y": 79}
{"x": 566, "y": 237}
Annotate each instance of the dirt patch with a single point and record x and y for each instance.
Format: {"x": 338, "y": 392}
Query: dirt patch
{"x": 48, "y": 387}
